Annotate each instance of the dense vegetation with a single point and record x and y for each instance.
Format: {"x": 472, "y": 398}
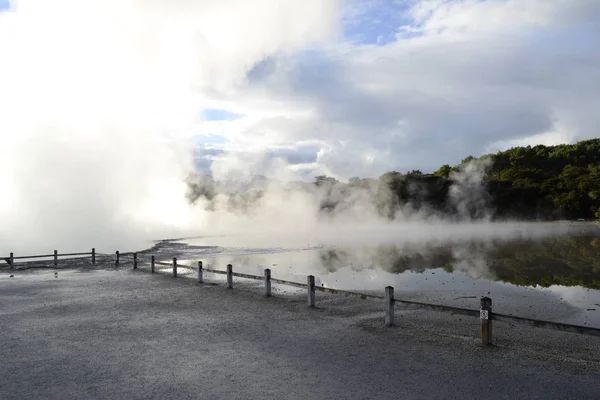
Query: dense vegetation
{"x": 540, "y": 182}
{"x": 547, "y": 181}
{"x": 532, "y": 183}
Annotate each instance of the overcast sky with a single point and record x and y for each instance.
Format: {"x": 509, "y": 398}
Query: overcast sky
{"x": 360, "y": 87}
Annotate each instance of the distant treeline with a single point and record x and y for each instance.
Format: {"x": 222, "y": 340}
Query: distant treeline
{"x": 534, "y": 183}
{"x": 546, "y": 182}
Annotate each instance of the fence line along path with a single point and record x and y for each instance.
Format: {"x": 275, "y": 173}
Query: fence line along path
{"x": 10, "y": 260}
{"x": 484, "y": 313}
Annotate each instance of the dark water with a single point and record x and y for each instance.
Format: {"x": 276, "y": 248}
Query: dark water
{"x": 552, "y": 276}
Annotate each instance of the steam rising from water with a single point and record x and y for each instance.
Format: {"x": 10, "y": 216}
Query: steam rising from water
{"x": 99, "y": 101}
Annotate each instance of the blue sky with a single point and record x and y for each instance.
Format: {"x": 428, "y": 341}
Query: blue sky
{"x": 374, "y": 21}
{"x": 211, "y": 114}
{"x": 4, "y": 4}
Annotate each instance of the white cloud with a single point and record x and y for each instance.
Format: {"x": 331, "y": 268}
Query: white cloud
{"x": 557, "y": 135}
{"x": 478, "y": 75}
{"x": 463, "y": 18}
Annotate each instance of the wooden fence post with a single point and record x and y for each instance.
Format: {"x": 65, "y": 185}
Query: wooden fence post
{"x": 152, "y": 264}
{"x": 93, "y": 255}
{"x": 389, "y": 306}
{"x": 268, "y": 282}
{"x": 200, "y": 277}
{"x": 135, "y": 261}
{"x": 229, "y": 276}
{"x": 311, "y": 290}
{"x": 55, "y": 257}
{"x": 485, "y": 314}
{"x": 117, "y": 258}
{"x": 11, "y": 261}
{"x": 174, "y": 267}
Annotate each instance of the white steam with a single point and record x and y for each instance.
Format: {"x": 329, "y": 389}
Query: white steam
{"x": 96, "y": 98}
{"x": 468, "y": 192}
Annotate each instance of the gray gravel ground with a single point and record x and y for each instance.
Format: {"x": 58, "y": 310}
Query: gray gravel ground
{"x": 122, "y": 334}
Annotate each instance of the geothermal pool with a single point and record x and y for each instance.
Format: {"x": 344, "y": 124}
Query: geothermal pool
{"x": 547, "y": 271}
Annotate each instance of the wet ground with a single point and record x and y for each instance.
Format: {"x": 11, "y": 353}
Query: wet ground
{"x": 99, "y": 333}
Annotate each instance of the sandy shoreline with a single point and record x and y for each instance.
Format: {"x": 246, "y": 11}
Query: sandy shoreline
{"x": 129, "y": 334}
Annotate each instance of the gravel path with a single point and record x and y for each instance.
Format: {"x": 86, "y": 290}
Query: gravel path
{"x": 122, "y": 334}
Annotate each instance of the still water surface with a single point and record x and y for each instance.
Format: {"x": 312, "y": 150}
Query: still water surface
{"x": 552, "y": 273}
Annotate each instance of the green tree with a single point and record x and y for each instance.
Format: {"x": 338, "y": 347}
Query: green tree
{"x": 444, "y": 171}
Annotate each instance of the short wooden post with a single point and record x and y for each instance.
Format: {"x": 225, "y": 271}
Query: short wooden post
{"x": 11, "y": 260}
{"x": 200, "y": 277}
{"x": 389, "y": 306}
{"x": 229, "y": 276}
{"x": 55, "y": 257}
{"x": 485, "y": 314}
{"x": 135, "y": 261}
{"x": 311, "y": 290}
{"x": 93, "y": 255}
{"x": 152, "y": 264}
{"x": 117, "y": 258}
{"x": 174, "y": 267}
{"x": 268, "y": 282}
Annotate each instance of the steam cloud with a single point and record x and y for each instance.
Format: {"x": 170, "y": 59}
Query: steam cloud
{"x": 99, "y": 101}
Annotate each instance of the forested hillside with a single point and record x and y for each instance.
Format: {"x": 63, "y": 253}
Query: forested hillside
{"x": 533, "y": 183}
{"x": 546, "y": 181}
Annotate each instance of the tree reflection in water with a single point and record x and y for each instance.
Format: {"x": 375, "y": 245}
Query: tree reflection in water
{"x": 567, "y": 261}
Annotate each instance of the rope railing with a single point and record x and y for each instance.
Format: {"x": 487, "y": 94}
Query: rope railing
{"x": 74, "y": 254}
{"x": 215, "y": 271}
{"x": 289, "y": 283}
{"x": 347, "y": 292}
{"x": 247, "y": 276}
{"x": 162, "y": 263}
{"x": 30, "y": 257}
{"x": 536, "y": 323}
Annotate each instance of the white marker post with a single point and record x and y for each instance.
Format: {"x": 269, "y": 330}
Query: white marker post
{"x": 485, "y": 315}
